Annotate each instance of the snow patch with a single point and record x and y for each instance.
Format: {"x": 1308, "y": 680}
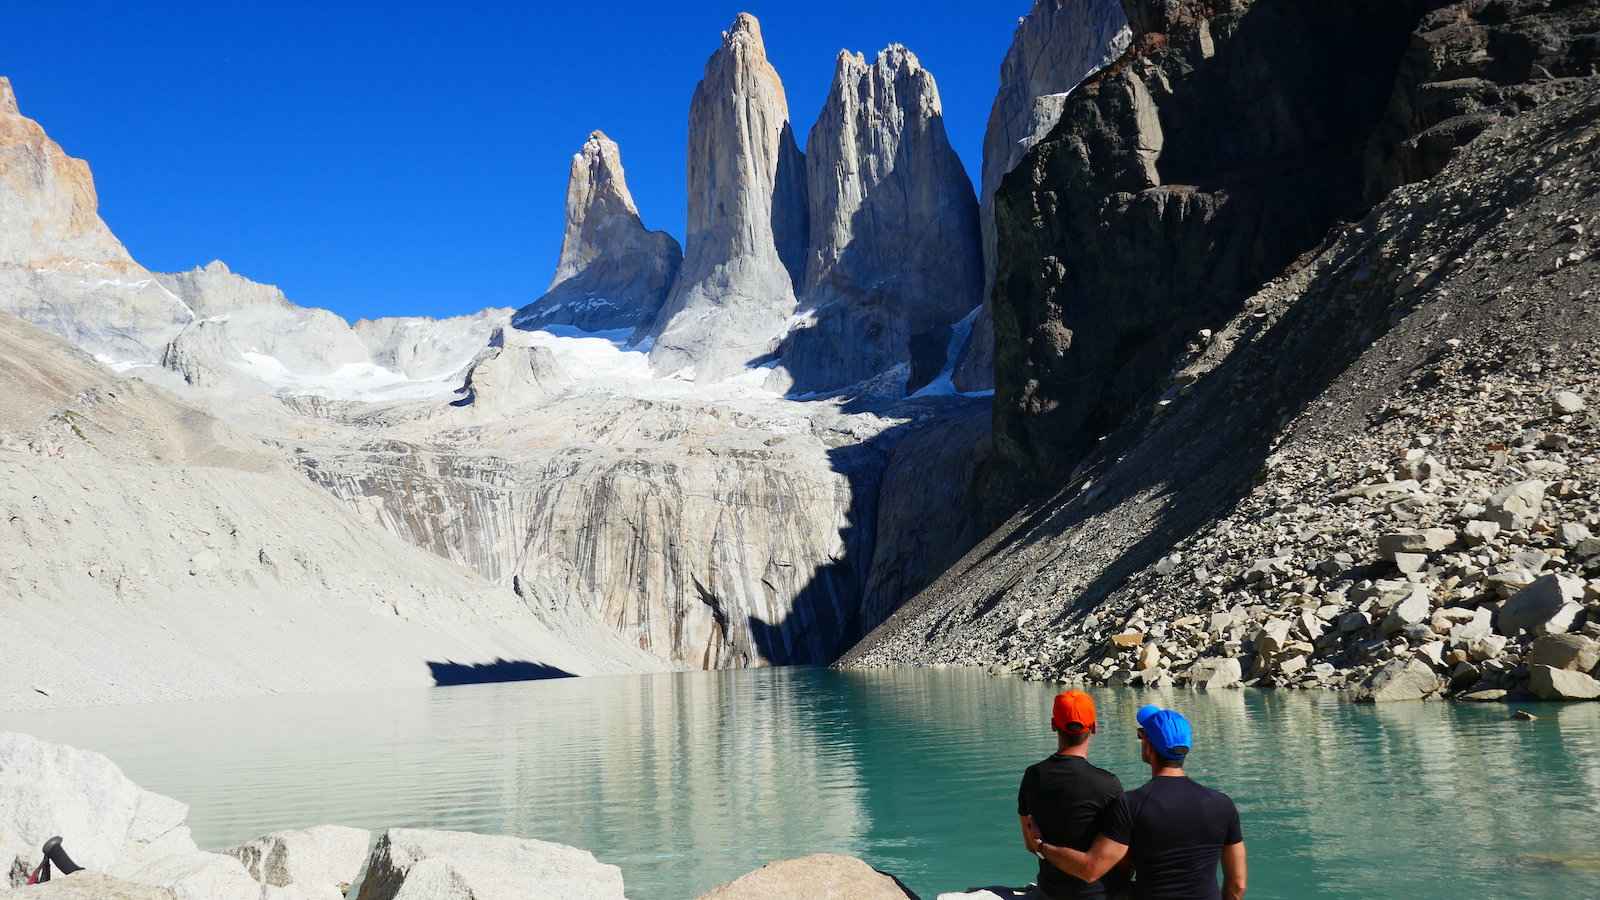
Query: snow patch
{"x": 943, "y": 384}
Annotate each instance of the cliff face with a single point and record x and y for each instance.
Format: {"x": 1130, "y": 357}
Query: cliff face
{"x": 60, "y": 266}
{"x": 748, "y": 221}
{"x": 613, "y": 273}
{"x": 1142, "y": 218}
{"x": 894, "y": 257}
{"x": 1423, "y": 371}
{"x": 1056, "y": 45}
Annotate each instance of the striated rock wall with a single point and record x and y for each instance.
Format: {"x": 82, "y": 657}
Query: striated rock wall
{"x": 1057, "y": 44}
{"x": 613, "y": 273}
{"x": 894, "y": 257}
{"x": 748, "y": 221}
{"x": 712, "y": 538}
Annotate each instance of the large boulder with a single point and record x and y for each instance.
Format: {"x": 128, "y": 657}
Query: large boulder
{"x": 1549, "y": 683}
{"x": 414, "y": 864}
{"x": 320, "y": 861}
{"x": 50, "y": 789}
{"x": 820, "y": 876}
{"x": 1547, "y": 606}
{"x": 1400, "y": 680}
{"x": 1214, "y": 673}
{"x": 1516, "y": 506}
{"x": 1572, "y": 652}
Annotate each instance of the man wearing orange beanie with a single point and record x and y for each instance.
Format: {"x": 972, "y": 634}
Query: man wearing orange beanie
{"x": 1064, "y": 800}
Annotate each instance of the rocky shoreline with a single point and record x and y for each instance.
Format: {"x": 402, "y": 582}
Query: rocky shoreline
{"x": 135, "y": 845}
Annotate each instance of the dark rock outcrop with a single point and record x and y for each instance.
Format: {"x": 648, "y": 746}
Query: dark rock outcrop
{"x": 1176, "y": 183}
{"x": 1056, "y": 45}
{"x": 894, "y": 257}
{"x": 748, "y": 220}
{"x": 613, "y": 272}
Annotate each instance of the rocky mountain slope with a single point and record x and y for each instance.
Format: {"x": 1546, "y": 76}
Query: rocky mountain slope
{"x": 1372, "y": 465}
{"x": 613, "y": 273}
{"x": 152, "y": 552}
{"x": 1056, "y": 45}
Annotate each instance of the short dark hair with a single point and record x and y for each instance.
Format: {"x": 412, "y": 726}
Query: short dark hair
{"x": 1074, "y": 737}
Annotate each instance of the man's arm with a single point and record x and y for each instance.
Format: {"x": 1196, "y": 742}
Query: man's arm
{"x": 1102, "y": 857}
{"x": 1030, "y": 834}
{"x": 1234, "y": 871}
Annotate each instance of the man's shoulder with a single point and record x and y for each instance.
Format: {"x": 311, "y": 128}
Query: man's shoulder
{"x": 1109, "y": 778}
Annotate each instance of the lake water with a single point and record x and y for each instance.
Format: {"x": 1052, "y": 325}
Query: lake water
{"x": 688, "y": 780}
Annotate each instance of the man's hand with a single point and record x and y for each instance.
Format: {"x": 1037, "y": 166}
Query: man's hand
{"x": 1031, "y": 839}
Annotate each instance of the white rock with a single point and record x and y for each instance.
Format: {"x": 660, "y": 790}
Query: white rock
{"x": 1215, "y": 673}
{"x": 326, "y": 856}
{"x": 1573, "y": 652}
{"x": 1430, "y": 540}
{"x": 1559, "y": 684}
{"x": 413, "y": 864}
{"x": 821, "y": 876}
{"x": 1400, "y": 680}
{"x": 1272, "y": 636}
{"x": 1486, "y": 648}
{"x": 1517, "y": 506}
{"x": 1566, "y": 403}
{"x": 1414, "y": 610}
{"x": 1479, "y": 532}
{"x": 50, "y": 789}
{"x": 1547, "y": 606}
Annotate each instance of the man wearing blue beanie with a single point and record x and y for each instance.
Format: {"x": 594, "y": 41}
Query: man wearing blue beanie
{"x": 1175, "y": 830}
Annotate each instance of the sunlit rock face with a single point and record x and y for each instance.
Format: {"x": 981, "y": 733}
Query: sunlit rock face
{"x": 60, "y": 266}
{"x": 613, "y": 272}
{"x": 894, "y": 259}
{"x": 748, "y": 221}
{"x": 1057, "y": 44}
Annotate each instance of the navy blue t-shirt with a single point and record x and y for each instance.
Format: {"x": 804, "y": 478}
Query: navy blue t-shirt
{"x": 1175, "y": 830}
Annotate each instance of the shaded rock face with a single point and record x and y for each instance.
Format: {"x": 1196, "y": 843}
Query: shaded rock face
{"x": 61, "y": 268}
{"x": 1142, "y": 218}
{"x": 613, "y": 272}
{"x": 748, "y": 221}
{"x": 422, "y": 347}
{"x": 894, "y": 257}
{"x": 1056, "y": 45}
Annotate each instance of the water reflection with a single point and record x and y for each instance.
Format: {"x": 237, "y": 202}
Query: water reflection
{"x": 688, "y": 780}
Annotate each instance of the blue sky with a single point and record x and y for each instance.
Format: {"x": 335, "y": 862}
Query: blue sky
{"x": 412, "y": 160}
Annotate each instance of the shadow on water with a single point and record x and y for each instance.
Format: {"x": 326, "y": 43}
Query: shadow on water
{"x": 449, "y": 674}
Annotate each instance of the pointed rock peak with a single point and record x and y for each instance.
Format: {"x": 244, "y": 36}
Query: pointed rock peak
{"x": 598, "y": 184}
{"x": 218, "y": 267}
{"x": 745, "y": 29}
{"x": 8, "y": 98}
{"x": 899, "y": 56}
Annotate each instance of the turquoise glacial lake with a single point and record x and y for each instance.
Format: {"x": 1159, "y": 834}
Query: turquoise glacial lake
{"x": 689, "y": 780}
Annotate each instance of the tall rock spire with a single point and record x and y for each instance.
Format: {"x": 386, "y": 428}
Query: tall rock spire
{"x": 1057, "y": 45}
{"x": 613, "y": 273}
{"x": 747, "y": 228}
{"x": 894, "y": 257}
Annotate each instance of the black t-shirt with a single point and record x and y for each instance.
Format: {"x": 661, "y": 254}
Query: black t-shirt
{"x": 1071, "y": 802}
{"x": 1175, "y": 830}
